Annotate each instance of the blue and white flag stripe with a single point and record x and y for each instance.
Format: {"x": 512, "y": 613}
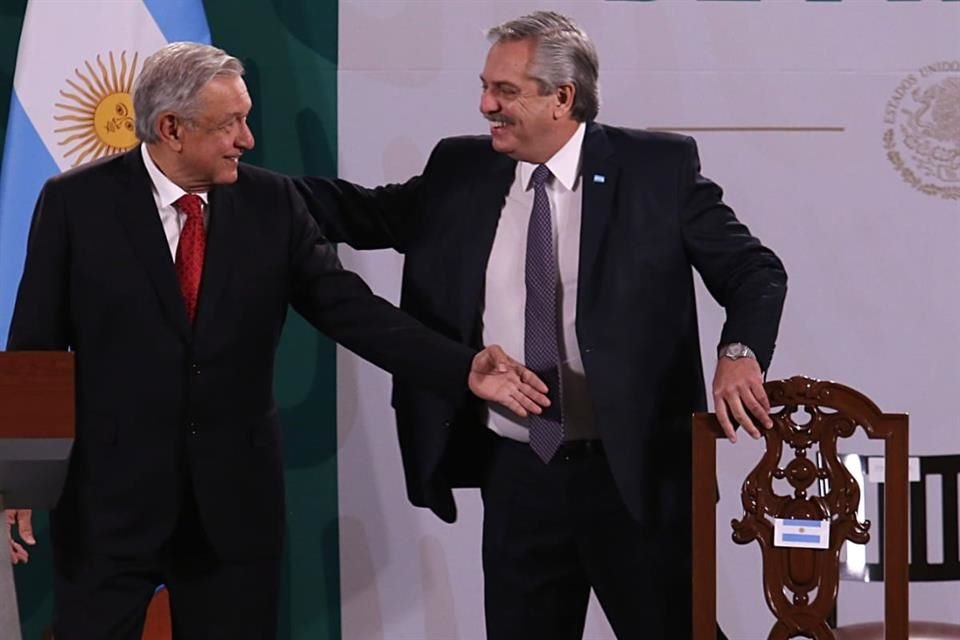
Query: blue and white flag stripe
{"x": 72, "y": 56}
{"x": 801, "y": 533}
{"x": 800, "y": 537}
{"x": 180, "y": 20}
{"x": 813, "y": 524}
{"x": 19, "y": 186}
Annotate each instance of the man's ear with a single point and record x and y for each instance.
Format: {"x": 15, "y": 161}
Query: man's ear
{"x": 565, "y": 97}
{"x": 169, "y": 130}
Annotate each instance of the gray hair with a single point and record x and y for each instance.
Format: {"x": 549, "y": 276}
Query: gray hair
{"x": 564, "y": 55}
{"x": 172, "y": 77}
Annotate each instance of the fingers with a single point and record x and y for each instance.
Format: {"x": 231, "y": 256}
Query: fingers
{"x": 760, "y": 394}
{"x": 528, "y": 390}
{"x": 23, "y": 518}
{"x": 18, "y": 554}
{"x": 25, "y": 525}
{"x": 758, "y": 408}
{"x": 741, "y": 415}
{"x": 514, "y": 406}
{"x": 497, "y": 377}
{"x": 723, "y": 417}
{"x": 533, "y": 381}
{"x": 538, "y": 398}
{"x": 748, "y": 405}
{"x": 739, "y": 397}
{"x": 518, "y": 406}
{"x": 531, "y": 400}
{"x": 493, "y": 360}
{"x": 522, "y": 399}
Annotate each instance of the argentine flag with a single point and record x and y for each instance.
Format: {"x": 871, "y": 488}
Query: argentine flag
{"x": 71, "y": 100}
{"x": 810, "y": 534}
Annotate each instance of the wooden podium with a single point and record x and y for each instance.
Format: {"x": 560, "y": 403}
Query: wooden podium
{"x": 37, "y": 404}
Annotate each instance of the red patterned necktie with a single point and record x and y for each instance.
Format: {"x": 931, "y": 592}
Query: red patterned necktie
{"x": 190, "y": 251}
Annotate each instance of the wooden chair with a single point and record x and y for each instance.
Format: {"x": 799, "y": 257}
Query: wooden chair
{"x": 854, "y": 566}
{"x": 800, "y": 585}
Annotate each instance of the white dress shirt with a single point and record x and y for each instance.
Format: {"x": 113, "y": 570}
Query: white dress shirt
{"x": 505, "y": 298}
{"x": 165, "y": 193}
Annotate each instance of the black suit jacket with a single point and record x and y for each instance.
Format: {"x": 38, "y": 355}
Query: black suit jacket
{"x": 167, "y": 411}
{"x": 648, "y": 216}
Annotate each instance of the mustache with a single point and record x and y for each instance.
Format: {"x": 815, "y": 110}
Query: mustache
{"x": 498, "y": 119}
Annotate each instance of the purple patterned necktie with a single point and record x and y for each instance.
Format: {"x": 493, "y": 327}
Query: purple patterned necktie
{"x": 541, "y": 347}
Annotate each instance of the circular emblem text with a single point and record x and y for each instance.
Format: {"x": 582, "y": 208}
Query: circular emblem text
{"x": 922, "y": 132}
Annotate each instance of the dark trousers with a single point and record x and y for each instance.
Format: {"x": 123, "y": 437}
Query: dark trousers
{"x": 552, "y": 532}
{"x": 99, "y": 597}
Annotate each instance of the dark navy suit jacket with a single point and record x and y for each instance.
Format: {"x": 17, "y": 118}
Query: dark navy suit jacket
{"x": 167, "y": 411}
{"x": 649, "y": 219}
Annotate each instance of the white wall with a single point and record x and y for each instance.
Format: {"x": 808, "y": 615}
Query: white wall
{"x": 873, "y": 262}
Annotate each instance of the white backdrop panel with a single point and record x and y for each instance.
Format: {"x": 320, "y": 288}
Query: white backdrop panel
{"x": 873, "y": 262}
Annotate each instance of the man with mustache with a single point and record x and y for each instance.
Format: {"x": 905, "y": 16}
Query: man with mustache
{"x": 575, "y": 243}
{"x": 169, "y": 271}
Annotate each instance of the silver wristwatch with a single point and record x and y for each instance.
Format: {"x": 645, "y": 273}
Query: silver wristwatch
{"x": 735, "y": 351}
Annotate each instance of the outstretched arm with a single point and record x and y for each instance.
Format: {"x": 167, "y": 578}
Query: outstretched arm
{"x": 340, "y": 304}
{"x": 365, "y": 218}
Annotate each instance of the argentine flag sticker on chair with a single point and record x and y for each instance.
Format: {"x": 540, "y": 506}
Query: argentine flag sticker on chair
{"x": 811, "y": 534}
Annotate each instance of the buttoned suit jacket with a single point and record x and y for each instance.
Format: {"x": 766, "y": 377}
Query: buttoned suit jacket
{"x": 166, "y": 411}
{"x": 649, "y": 219}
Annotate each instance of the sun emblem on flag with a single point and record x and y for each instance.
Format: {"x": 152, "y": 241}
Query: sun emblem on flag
{"x": 98, "y": 110}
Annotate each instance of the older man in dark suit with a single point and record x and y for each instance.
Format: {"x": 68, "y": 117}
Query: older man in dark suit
{"x": 575, "y": 243}
{"x": 168, "y": 271}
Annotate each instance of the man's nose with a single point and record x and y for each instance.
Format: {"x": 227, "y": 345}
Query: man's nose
{"x": 488, "y": 104}
{"x": 246, "y": 140}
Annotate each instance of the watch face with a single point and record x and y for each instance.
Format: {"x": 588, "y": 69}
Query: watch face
{"x": 735, "y": 350}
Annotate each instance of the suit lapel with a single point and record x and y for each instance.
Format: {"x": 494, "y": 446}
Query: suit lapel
{"x": 599, "y": 174}
{"x": 472, "y": 252}
{"x": 137, "y": 213}
{"x": 222, "y": 231}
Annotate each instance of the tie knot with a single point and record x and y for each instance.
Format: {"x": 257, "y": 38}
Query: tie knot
{"x": 190, "y": 205}
{"x": 540, "y": 175}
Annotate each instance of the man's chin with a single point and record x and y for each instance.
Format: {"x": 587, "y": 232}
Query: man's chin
{"x": 501, "y": 146}
{"x": 227, "y": 177}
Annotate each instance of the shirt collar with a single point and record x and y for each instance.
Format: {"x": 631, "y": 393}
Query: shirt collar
{"x": 564, "y": 165}
{"x": 166, "y": 190}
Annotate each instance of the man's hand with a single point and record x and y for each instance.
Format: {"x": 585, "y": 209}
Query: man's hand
{"x": 23, "y": 519}
{"x": 738, "y": 394}
{"x": 497, "y": 377}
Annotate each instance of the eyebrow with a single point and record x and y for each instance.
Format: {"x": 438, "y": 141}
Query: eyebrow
{"x": 234, "y": 116}
{"x": 501, "y": 83}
